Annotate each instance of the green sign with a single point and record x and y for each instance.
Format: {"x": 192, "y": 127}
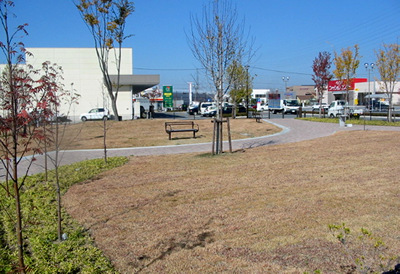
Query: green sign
{"x": 168, "y": 97}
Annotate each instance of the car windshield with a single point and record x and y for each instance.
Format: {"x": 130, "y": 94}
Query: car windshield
{"x": 292, "y": 103}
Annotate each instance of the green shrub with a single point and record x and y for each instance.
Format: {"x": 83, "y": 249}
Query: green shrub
{"x": 352, "y": 121}
{"x": 367, "y": 252}
{"x": 43, "y": 252}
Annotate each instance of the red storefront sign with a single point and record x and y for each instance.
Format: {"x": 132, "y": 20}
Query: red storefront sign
{"x": 340, "y": 85}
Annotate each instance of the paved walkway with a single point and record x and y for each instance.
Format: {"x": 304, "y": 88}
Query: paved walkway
{"x": 293, "y": 130}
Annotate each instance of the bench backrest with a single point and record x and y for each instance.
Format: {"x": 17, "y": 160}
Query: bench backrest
{"x": 186, "y": 123}
{"x": 171, "y": 125}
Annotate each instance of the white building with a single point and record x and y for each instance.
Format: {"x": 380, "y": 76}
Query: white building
{"x": 82, "y": 73}
{"x": 261, "y": 95}
{"x": 360, "y": 92}
{"x": 376, "y": 91}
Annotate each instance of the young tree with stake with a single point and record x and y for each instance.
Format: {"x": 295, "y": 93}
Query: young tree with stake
{"x": 216, "y": 40}
{"x": 51, "y": 82}
{"x": 322, "y": 75}
{"x": 23, "y": 102}
{"x": 240, "y": 84}
{"x": 346, "y": 66}
{"x": 388, "y": 65}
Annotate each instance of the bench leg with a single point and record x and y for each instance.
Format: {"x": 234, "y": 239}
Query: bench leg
{"x": 194, "y": 134}
{"x": 169, "y": 133}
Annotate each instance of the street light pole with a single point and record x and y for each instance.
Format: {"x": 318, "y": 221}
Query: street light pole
{"x": 247, "y": 90}
{"x": 285, "y": 79}
{"x": 369, "y": 67}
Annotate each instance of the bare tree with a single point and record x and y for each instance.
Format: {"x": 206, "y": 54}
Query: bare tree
{"x": 388, "y": 64}
{"x": 322, "y": 75}
{"x": 346, "y": 66}
{"x": 106, "y": 20}
{"x": 51, "y": 82}
{"x": 216, "y": 39}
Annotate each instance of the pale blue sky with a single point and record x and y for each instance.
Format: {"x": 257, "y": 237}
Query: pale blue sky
{"x": 289, "y": 34}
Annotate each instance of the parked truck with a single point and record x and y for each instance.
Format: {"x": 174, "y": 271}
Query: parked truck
{"x": 142, "y": 107}
{"x": 340, "y": 107}
{"x": 194, "y": 108}
{"x": 276, "y": 104}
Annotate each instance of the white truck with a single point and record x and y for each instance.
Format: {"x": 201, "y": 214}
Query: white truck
{"x": 194, "y": 108}
{"x": 141, "y": 107}
{"x": 276, "y": 104}
{"x": 340, "y": 107}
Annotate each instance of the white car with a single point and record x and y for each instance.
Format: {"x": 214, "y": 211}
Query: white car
{"x": 95, "y": 114}
{"x": 210, "y": 111}
{"x": 204, "y": 106}
{"x": 264, "y": 107}
{"x": 323, "y": 105}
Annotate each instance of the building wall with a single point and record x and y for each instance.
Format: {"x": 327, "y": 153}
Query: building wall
{"x": 377, "y": 87}
{"x": 82, "y": 73}
{"x": 302, "y": 90}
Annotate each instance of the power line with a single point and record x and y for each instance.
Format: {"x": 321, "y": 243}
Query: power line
{"x": 282, "y": 71}
{"x": 170, "y": 69}
{"x": 195, "y": 69}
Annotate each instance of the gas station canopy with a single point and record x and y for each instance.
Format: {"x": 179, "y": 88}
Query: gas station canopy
{"x": 138, "y": 83}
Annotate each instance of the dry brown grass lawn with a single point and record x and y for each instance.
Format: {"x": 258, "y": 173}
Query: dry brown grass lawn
{"x": 264, "y": 210}
{"x": 142, "y": 132}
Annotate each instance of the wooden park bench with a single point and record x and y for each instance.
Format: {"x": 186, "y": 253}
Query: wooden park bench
{"x": 257, "y": 115}
{"x": 181, "y": 126}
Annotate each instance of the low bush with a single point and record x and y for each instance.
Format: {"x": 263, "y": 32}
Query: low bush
{"x": 43, "y": 252}
{"x": 366, "y": 251}
{"x": 352, "y": 121}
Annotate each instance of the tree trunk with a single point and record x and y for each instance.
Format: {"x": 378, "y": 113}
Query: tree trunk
{"x": 217, "y": 136}
{"x": 114, "y": 108}
{"x": 105, "y": 139}
{"x": 59, "y": 217}
{"x": 221, "y": 149}
{"x": 57, "y": 175}
{"x": 46, "y": 175}
{"x": 320, "y": 106}
{"x": 15, "y": 143}
{"x": 390, "y": 118}
{"x": 20, "y": 243}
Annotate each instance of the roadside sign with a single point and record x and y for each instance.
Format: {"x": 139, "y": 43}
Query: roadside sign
{"x": 168, "y": 97}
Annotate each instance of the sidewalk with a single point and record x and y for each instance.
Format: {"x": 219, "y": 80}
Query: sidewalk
{"x": 293, "y": 130}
